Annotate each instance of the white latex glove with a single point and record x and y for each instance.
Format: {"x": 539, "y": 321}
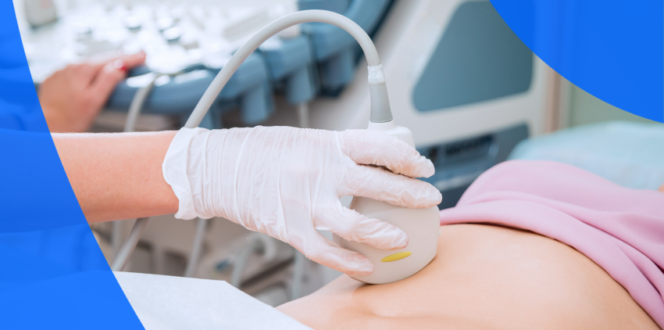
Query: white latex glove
{"x": 286, "y": 182}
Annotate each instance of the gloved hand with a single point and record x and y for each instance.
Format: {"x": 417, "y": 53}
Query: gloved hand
{"x": 286, "y": 182}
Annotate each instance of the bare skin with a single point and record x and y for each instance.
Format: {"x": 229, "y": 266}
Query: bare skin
{"x": 72, "y": 97}
{"x": 118, "y": 175}
{"x": 484, "y": 277}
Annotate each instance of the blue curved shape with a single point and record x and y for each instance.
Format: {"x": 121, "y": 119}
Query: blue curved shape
{"x": 52, "y": 272}
{"x": 613, "y": 50}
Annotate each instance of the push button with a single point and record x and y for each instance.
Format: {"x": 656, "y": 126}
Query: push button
{"x": 396, "y": 256}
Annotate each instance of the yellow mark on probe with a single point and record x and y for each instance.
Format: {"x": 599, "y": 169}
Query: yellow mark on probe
{"x": 396, "y": 256}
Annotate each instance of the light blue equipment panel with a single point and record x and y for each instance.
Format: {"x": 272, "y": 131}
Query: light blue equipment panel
{"x": 627, "y": 153}
{"x": 459, "y": 163}
{"x": 478, "y": 58}
{"x": 290, "y": 64}
{"x": 324, "y": 57}
{"x": 335, "y": 50}
{"x": 248, "y": 89}
{"x": 337, "y": 6}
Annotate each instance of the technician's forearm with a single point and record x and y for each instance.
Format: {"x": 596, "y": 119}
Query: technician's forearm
{"x": 118, "y": 175}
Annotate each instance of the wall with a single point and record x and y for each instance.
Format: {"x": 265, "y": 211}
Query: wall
{"x": 586, "y": 109}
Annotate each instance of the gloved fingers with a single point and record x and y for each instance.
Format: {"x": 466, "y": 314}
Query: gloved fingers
{"x": 376, "y": 148}
{"x": 379, "y": 184}
{"x": 328, "y": 253}
{"x": 353, "y": 226}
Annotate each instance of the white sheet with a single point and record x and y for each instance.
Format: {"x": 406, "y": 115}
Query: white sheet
{"x": 168, "y": 302}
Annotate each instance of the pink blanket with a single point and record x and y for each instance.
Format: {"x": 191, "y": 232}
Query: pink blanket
{"x": 621, "y": 229}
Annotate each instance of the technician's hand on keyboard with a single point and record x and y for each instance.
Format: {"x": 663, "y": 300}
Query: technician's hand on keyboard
{"x": 286, "y": 182}
{"x": 72, "y": 97}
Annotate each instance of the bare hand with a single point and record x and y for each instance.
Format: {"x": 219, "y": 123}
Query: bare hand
{"x": 72, "y": 97}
